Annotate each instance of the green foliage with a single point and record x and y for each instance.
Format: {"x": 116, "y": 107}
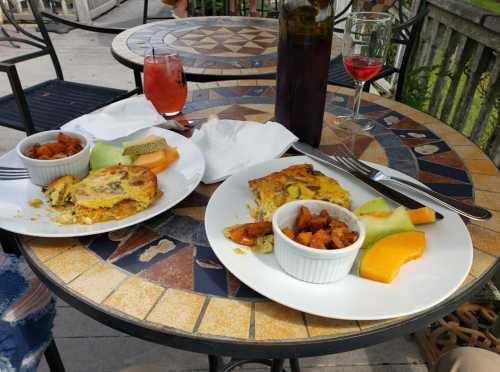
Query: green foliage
{"x": 416, "y": 89}
{"x": 493, "y": 5}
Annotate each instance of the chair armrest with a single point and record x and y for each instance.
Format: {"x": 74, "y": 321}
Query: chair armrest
{"x": 83, "y": 26}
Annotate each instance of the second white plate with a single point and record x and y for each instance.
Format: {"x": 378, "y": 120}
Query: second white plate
{"x": 176, "y": 183}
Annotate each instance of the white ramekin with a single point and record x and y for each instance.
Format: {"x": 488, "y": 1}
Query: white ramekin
{"x": 310, "y": 264}
{"x": 43, "y": 172}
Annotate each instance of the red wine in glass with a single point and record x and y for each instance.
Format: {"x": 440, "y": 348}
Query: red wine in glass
{"x": 367, "y": 37}
{"x": 363, "y": 68}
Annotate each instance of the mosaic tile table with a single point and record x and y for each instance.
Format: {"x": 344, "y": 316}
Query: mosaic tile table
{"x": 211, "y": 48}
{"x": 162, "y": 282}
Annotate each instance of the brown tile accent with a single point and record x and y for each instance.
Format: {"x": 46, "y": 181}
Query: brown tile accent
{"x": 177, "y": 309}
{"x": 493, "y": 223}
{"x": 482, "y": 166}
{"x": 481, "y": 263}
{"x": 485, "y": 182}
{"x": 227, "y": 318}
{"x": 46, "y": 248}
{"x": 484, "y": 239}
{"x": 233, "y": 284}
{"x": 68, "y": 265}
{"x": 428, "y": 177}
{"x": 319, "y": 326}
{"x": 368, "y": 324}
{"x": 98, "y": 282}
{"x": 490, "y": 200}
{"x": 277, "y": 322}
{"x": 407, "y": 123}
{"x": 174, "y": 271}
{"x": 375, "y": 153}
{"x": 469, "y": 152}
{"x": 142, "y": 236}
{"x": 135, "y": 297}
{"x": 448, "y": 158}
{"x": 456, "y": 139}
{"x": 198, "y": 213}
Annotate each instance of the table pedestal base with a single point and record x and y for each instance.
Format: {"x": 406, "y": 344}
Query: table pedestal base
{"x": 216, "y": 364}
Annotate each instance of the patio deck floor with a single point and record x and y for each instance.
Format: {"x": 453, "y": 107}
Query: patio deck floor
{"x": 87, "y": 345}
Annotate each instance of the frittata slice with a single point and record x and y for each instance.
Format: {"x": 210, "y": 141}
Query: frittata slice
{"x": 297, "y": 182}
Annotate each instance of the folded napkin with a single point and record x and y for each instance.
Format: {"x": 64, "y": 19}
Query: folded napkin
{"x": 230, "y": 145}
{"x": 119, "y": 119}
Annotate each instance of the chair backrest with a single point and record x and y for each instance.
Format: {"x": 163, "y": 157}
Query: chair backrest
{"x": 43, "y": 42}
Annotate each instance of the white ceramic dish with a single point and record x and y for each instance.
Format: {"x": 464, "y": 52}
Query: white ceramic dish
{"x": 43, "y": 172}
{"x": 309, "y": 264}
{"x": 177, "y": 182}
{"x": 420, "y": 285}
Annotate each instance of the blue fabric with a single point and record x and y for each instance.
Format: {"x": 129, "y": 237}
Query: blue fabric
{"x": 27, "y": 311}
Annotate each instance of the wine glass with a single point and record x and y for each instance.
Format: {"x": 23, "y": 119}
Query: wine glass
{"x": 164, "y": 82}
{"x": 367, "y": 37}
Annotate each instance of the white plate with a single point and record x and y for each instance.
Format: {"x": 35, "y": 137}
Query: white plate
{"x": 176, "y": 183}
{"x": 421, "y": 283}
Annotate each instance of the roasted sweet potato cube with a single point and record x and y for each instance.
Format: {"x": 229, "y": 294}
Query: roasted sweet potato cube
{"x": 324, "y": 213}
{"x": 239, "y": 235}
{"x": 318, "y": 223}
{"x": 304, "y": 238}
{"x": 335, "y": 223}
{"x": 320, "y": 239}
{"x": 289, "y": 232}
{"x": 336, "y": 242}
{"x": 303, "y": 219}
{"x": 257, "y": 229}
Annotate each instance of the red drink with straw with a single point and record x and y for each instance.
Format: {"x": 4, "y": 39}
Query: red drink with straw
{"x": 164, "y": 82}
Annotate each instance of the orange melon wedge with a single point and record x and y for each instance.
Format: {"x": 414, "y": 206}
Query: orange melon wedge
{"x": 159, "y": 160}
{"x": 384, "y": 259}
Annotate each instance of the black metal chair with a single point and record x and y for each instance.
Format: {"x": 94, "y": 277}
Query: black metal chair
{"x": 405, "y": 33}
{"x": 50, "y": 104}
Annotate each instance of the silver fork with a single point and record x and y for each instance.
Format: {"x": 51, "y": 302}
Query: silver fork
{"x": 348, "y": 160}
{"x": 10, "y": 173}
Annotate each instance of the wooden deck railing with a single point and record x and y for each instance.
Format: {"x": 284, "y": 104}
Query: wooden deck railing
{"x": 455, "y": 69}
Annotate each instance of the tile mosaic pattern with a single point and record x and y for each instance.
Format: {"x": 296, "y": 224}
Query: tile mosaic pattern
{"x": 207, "y": 45}
{"x": 164, "y": 273}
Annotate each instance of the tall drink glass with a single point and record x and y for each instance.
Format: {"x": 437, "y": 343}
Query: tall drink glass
{"x": 164, "y": 82}
{"x": 367, "y": 37}
{"x": 305, "y": 41}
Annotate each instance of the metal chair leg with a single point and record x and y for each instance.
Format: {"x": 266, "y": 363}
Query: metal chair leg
{"x": 214, "y": 363}
{"x": 145, "y": 12}
{"x": 294, "y": 365}
{"x": 277, "y": 365}
{"x": 53, "y": 358}
{"x": 138, "y": 81}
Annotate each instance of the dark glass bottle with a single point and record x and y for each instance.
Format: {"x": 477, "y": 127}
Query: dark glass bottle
{"x": 305, "y": 41}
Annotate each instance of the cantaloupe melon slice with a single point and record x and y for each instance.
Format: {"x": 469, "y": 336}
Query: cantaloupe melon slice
{"x": 158, "y": 161}
{"x": 422, "y": 215}
{"x": 383, "y": 260}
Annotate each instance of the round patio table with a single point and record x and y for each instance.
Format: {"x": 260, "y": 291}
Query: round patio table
{"x": 180, "y": 295}
{"x": 211, "y": 48}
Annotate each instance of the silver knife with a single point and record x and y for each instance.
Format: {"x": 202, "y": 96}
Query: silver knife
{"x": 386, "y": 191}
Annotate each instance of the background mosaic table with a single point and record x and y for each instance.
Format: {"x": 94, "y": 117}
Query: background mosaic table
{"x": 162, "y": 282}
{"x": 211, "y": 48}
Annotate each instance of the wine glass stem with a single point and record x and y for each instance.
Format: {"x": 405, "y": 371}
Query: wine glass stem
{"x": 358, "y": 88}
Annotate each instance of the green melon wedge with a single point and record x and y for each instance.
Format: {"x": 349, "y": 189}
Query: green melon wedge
{"x": 379, "y": 227}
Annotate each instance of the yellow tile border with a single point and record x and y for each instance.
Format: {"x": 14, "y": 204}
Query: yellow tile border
{"x": 134, "y": 297}
{"x": 277, "y": 322}
{"x": 177, "y": 309}
{"x": 227, "y": 318}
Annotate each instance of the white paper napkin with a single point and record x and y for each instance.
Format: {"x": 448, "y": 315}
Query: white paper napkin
{"x": 120, "y": 119}
{"x": 230, "y": 145}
